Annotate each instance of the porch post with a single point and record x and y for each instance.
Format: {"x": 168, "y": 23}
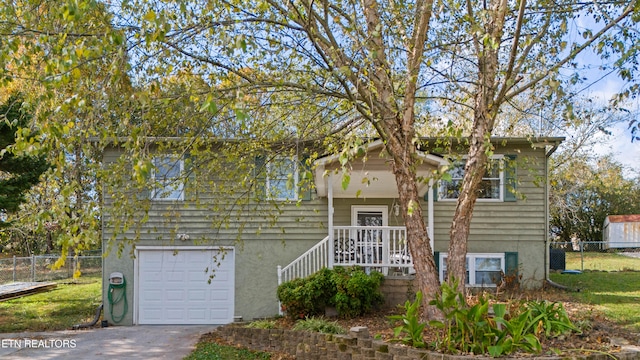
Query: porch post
{"x": 430, "y": 214}
{"x": 330, "y": 220}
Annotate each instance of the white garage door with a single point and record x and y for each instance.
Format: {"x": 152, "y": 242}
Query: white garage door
{"x": 173, "y": 286}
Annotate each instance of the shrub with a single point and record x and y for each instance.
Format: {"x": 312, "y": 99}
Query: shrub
{"x": 357, "y": 293}
{"x": 350, "y": 290}
{"x": 307, "y": 297}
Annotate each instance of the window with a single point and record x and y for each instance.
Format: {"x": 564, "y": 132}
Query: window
{"x": 490, "y": 188}
{"x": 168, "y": 184}
{"x": 482, "y": 269}
{"x": 282, "y": 179}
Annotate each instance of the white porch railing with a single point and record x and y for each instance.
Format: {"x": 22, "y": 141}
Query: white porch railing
{"x": 308, "y": 263}
{"x": 374, "y": 247}
{"x": 371, "y": 246}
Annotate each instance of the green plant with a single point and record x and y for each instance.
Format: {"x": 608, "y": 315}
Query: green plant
{"x": 550, "y": 318}
{"x": 350, "y": 290}
{"x": 466, "y": 329}
{"x": 214, "y": 351}
{"x": 451, "y": 303}
{"x": 473, "y": 329}
{"x": 357, "y": 292}
{"x": 411, "y": 327}
{"x": 263, "y": 324}
{"x": 319, "y": 325}
{"x": 513, "y": 334}
{"x": 308, "y": 296}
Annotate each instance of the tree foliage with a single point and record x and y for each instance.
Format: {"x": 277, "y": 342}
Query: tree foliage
{"x": 287, "y": 75}
{"x": 18, "y": 171}
{"x": 584, "y": 194}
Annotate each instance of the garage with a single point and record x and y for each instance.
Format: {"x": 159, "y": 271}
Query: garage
{"x": 172, "y": 285}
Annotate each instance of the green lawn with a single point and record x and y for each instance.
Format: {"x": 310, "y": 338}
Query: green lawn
{"x": 71, "y": 302}
{"x": 613, "y": 291}
{"x": 213, "y": 351}
{"x": 616, "y": 293}
{"x": 74, "y": 302}
{"x": 601, "y": 261}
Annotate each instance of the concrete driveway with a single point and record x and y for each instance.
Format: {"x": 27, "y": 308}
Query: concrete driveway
{"x": 116, "y": 342}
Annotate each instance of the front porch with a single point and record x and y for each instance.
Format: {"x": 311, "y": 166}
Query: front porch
{"x": 366, "y": 204}
{"x": 376, "y": 248}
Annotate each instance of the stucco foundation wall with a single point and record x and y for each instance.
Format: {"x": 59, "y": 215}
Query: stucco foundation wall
{"x": 256, "y": 275}
{"x": 357, "y": 345}
{"x": 123, "y": 264}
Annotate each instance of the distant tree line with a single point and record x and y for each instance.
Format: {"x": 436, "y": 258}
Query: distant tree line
{"x": 584, "y": 193}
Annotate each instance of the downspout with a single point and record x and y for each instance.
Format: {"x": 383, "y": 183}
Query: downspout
{"x": 546, "y": 217}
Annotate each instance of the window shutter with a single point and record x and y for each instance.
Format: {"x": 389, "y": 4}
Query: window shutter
{"x": 436, "y": 259}
{"x": 511, "y": 264}
{"x": 510, "y": 179}
{"x": 145, "y": 192}
{"x": 305, "y": 179}
{"x": 260, "y": 177}
{"x": 189, "y": 176}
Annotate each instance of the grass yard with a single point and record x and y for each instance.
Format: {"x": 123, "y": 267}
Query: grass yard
{"x": 71, "y": 302}
{"x": 614, "y": 292}
{"x": 601, "y": 261}
{"x": 213, "y": 351}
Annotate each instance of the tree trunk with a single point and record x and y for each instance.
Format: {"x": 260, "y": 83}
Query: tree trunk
{"x": 418, "y": 240}
{"x": 484, "y": 114}
{"x": 461, "y": 223}
{"x": 404, "y": 166}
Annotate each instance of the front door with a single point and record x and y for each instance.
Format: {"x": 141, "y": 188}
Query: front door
{"x": 370, "y": 241}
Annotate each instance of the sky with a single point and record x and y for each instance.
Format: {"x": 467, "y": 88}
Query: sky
{"x": 603, "y": 86}
{"x": 619, "y": 142}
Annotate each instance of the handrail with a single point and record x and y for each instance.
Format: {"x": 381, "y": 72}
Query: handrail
{"x": 311, "y": 261}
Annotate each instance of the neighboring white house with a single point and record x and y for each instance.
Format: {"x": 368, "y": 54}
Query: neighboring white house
{"x": 621, "y": 231}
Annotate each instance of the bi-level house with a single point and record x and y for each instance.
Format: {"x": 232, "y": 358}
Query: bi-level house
{"x": 167, "y": 271}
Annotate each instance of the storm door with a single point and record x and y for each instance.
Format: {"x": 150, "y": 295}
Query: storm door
{"x": 369, "y": 222}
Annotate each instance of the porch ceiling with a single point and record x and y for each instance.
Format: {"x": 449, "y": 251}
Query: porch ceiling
{"x": 372, "y": 178}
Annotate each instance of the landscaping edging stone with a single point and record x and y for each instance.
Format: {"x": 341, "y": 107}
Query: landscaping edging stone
{"x": 359, "y": 345}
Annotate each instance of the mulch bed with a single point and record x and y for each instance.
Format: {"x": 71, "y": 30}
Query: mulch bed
{"x": 598, "y": 334}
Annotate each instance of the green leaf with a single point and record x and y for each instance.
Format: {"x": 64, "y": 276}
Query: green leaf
{"x": 150, "y": 16}
{"x": 499, "y": 310}
{"x": 209, "y": 106}
{"x": 346, "y": 179}
{"x": 410, "y": 207}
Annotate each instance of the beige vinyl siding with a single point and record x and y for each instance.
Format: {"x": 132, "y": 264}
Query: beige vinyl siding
{"x": 498, "y": 227}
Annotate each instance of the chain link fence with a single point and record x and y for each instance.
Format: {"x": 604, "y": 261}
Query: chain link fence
{"x": 39, "y": 268}
{"x": 594, "y": 255}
